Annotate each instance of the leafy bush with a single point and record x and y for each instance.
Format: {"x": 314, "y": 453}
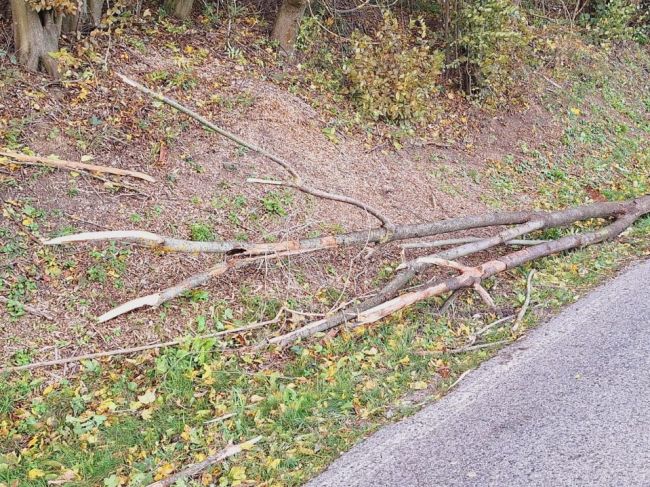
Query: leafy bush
{"x": 392, "y": 76}
{"x": 618, "y": 20}
{"x": 491, "y": 42}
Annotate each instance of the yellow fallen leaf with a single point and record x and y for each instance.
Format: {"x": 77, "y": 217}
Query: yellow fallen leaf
{"x": 164, "y": 471}
{"x": 27, "y": 221}
{"x": 35, "y": 473}
{"x": 147, "y": 414}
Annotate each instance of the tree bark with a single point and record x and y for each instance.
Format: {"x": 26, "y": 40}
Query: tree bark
{"x": 36, "y": 35}
{"x": 287, "y": 23}
{"x": 89, "y": 14}
{"x": 179, "y": 8}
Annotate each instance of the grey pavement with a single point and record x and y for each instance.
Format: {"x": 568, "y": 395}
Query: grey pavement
{"x": 568, "y": 405}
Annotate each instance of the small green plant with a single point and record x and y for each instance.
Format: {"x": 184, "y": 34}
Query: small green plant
{"x": 393, "y": 75}
{"x": 275, "y": 203}
{"x": 201, "y": 232}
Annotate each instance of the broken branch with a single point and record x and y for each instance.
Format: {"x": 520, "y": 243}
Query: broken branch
{"x": 330, "y": 196}
{"x": 278, "y": 160}
{"x": 141, "y": 348}
{"x": 72, "y": 165}
{"x": 632, "y": 208}
{"x": 493, "y": 267}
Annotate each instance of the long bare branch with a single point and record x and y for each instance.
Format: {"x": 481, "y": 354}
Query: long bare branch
{"x": 299, "y": 185}
{"x": 628, "y": 209}
{"x": 156, "y": 299}
{"x": 357, "y": 237}
{"x": 73, "y": 165}
{"x": 493, "y": 267}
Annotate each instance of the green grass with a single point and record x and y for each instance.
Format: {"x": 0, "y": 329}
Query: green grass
{"x": 128, "y": 422}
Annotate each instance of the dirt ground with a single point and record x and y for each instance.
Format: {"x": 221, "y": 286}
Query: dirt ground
{"x": 201, "y": 177}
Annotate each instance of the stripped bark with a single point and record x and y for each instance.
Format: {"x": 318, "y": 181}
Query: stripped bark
{"x": 477, "y": 274}
{"x": 627, "y": 211}
{"x": 244, "y": 254}
{"x": 156, "y": 299}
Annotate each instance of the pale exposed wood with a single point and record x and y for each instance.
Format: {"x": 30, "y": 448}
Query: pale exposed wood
{"x": 458, "y": 241}
{"x": 72, "y": 165}
{"x": 156, "y": 299}
{"x": 381, "y": 304}
{"x": 197, "y": 468}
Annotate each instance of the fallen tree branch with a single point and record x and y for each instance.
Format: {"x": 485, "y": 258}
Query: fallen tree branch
{"x": 197, "y": 468}
{"x": 357, "y": 237}
{"x": 330, "y": 196}
{"x": 632, "y": 208}
{"x": 299, "y": 185}
{"x": 464, "y": 240}
{"x": 156, "y": 299}
{"x": 493, "y": 267}
{"x": 72, "y": 165}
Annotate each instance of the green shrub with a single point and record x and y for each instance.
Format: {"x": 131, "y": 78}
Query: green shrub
{"x": 618, "y": 20}
{"x": 491, "y": 42}
{"x": 393, "y": 75}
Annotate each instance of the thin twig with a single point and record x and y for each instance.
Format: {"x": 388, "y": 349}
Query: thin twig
{"x": 30, "y": 309}
{"x": 197, "y": 468}
{"x": 464, "y": 240}
{"x": 141, "y": 348}
{"x": 524, "y": 307}
{"x": 220, "y": 418}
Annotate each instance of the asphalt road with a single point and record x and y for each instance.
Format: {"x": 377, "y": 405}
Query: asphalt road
{"x": 569, "y": 405}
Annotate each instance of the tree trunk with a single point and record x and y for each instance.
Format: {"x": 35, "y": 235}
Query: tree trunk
{"x": 36, "y": 35}
{"x": 287, "y": 23}
{"x": 89, "y": 14}
{"x": 179, "y": 8}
